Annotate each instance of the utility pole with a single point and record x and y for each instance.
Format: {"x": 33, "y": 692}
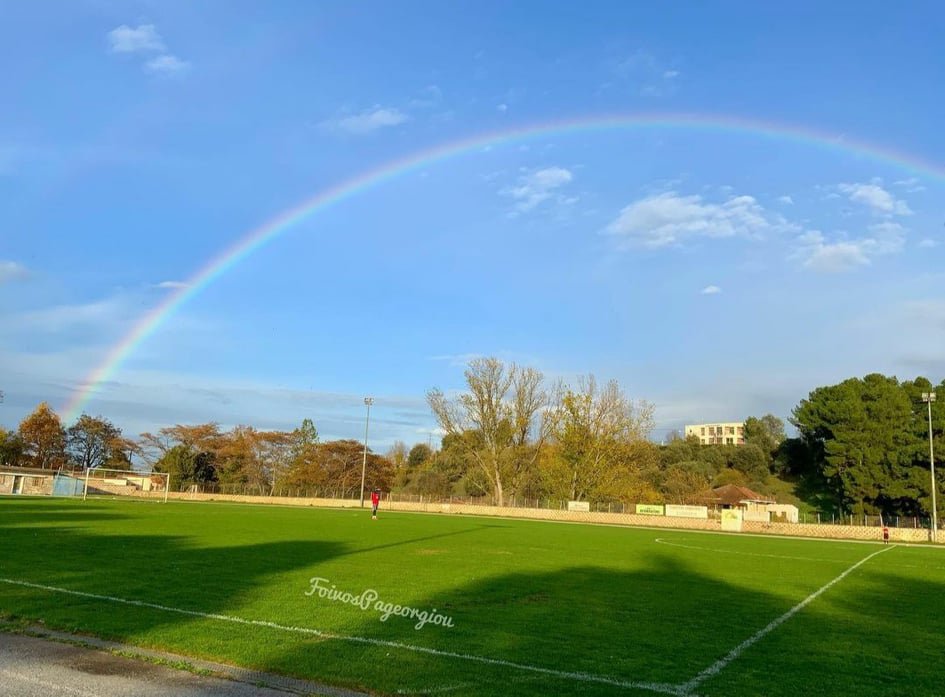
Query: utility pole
{"x": 928, "y": 398}
{"x": 368, "y": 401}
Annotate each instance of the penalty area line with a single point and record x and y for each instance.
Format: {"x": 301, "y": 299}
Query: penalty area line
{"x": 663, "y": 688}
{"x": 719, "y": 665}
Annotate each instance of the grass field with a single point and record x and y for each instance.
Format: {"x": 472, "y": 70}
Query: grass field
{"x": 536, "y": 608}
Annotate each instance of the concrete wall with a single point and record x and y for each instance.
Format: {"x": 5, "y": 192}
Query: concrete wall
{"x": 33, "y": 484}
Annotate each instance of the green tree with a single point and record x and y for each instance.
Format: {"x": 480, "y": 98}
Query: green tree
{"x": 751, "y": 461}
{"x": 12, "y": 448}
{"x": 305, "y": 435}
{"x": 861, "y": 434}
{"x": 419, "y": 455}
{"x": 186, "y": 467}
{"x": 767, "y": 433}
{"x": 94, "y": 441}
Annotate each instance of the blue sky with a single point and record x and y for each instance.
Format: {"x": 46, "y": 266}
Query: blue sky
{"x": 715, "y": 273}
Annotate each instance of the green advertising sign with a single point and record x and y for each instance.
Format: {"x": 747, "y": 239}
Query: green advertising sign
{"x": 649, "y": 509}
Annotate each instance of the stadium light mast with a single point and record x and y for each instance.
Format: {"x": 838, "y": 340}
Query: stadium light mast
{"x": 928, "y": 398}
{"x": 368, "y": 401}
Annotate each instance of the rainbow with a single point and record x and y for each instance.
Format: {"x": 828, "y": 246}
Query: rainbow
{"x": 255, "y": 239}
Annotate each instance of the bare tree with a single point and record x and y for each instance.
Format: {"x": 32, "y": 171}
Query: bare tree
{"x": 499, "y": 422}
{"x": 592, "y": 428}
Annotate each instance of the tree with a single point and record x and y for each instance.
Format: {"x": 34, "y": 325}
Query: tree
{"x": 44, "y": 438}
{"x": 397, "y": 454}
{"x": 186, "y": 467}
{"x": 503, "y": 410}
{"x": 767, "y": 433}
{"x": 751, "y": 461}
{"x": 11, "y": 448}
{"x": 591, "y": 426}
{"x": 685, "y": 481}
{"x": 93, "y": 441}
{"x": 305, "y": 435}
{"x": 419, "y": 455}
{"x": 862, "y": 439}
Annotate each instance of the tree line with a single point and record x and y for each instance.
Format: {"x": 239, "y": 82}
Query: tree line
{"x": 861, "y": 447}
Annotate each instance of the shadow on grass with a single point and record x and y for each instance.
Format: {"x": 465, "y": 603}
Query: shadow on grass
{"x": 663, "y": 622}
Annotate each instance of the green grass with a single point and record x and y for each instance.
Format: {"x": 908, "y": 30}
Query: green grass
{"x": 610, "y": 602}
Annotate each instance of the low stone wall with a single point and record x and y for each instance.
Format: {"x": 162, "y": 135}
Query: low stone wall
{"x": 838, "y": 532}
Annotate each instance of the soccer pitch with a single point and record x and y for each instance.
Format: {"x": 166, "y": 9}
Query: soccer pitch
{"x": 534, "y": 607}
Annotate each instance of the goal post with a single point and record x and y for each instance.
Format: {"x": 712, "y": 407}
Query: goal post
{"x": 101, "y": 481}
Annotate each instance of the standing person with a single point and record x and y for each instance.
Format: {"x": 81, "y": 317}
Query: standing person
{"x": 885, "y": 534}
{"x": 375, "y": 502}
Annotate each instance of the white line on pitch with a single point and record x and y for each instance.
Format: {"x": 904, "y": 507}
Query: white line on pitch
{"x": 663, "y": 688}
{"x": 716, "y": 667}
{"x": 661, "y": 541}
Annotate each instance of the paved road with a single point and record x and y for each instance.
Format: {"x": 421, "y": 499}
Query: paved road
{"x": 32, "y": 667}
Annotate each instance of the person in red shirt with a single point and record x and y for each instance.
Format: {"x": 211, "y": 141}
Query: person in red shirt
{"x": 375, "y": 502}
{"x": 885, "y": 534}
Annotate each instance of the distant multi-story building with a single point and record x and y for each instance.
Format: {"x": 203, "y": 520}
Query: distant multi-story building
{"x": 718, "y": 434}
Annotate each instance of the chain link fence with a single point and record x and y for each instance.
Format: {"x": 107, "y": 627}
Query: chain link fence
{"x": 352, "y": 491}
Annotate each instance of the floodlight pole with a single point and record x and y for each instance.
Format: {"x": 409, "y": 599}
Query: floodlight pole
{"x": 368, "y": 401}
{"x": 928, "y": 398}
{"x": 85, "y": 489}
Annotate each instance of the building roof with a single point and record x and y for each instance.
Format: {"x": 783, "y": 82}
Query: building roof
{"x": 731, "y": 495}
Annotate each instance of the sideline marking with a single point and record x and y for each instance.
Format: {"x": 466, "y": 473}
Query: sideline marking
{"x": 664, "y": 688}
{"x": 747, "y": 554}
{"x": 716, "y": 667}
{"x": 782, "y": 556}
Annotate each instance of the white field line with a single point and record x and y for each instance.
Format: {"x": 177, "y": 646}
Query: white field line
{"x": 54, "y": 688}
{"x": 747, "y": 554}
{"x": 715, "y": 668}
{"x": 663, "y": 688}
{"x": 782, "y": 556}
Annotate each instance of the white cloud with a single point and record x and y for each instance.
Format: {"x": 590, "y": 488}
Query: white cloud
{"x": 928, "y": 243}
{"x": 368, "y": 120}
{"x": 876, "y": 198}
{"x": 711, "y": 290}
{"x": 787, "y": 200}
{"x": 502, "y": 107}
{"x": 101, "y": 315}
{"x": 538, "y": 186}
{"x": 12, "y": 271}
{"x": 670, "y": 74}
{"x": 166, "y": 64}
{"x": 912, "y": 185}
{"x": 172, "y": 285}
{"x": 835, "y": 257}
{"x": 671, "y": 219}
{"x": 819, "y": 254}
{"x": 125, "y": 39}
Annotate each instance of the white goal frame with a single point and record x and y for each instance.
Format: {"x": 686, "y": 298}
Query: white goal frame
{"x": 141, "y": 481}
